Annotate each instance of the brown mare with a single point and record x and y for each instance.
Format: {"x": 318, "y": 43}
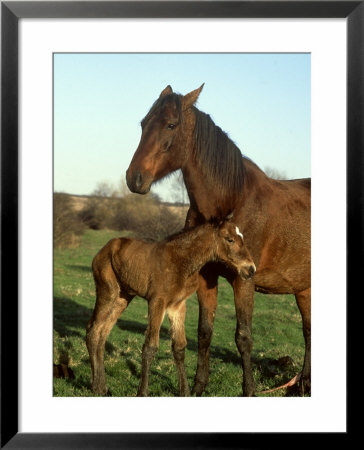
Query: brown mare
{"x": 164, "y": 273}
{"x": 273, "y": 215}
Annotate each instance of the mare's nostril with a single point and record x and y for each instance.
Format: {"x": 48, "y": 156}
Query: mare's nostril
{"x": 138, "y": 180}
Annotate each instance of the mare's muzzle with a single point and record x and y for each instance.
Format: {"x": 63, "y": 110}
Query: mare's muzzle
{"x": 137, "y": 182}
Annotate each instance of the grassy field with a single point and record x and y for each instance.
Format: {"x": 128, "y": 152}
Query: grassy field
{"x": 276, "y": 334}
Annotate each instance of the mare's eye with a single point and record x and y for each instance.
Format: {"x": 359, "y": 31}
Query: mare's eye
{"x": 230, "y": 240}
{"x": 171, "y": 126}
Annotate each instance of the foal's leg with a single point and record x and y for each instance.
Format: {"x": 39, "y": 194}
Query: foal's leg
{"x": 244, "y": 305}
{"x": 207, "y": 299}
{"x": 156, "y": 311}
{"x": 106, "y": 313}
{"x": 176, "y": 315}
{"x": 304, "y": 304}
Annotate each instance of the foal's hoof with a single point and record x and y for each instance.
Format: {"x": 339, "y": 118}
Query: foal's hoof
{"x": 104, "y": 391}
{"x": 185, "y": 393}
{"x": 198, "y": 389}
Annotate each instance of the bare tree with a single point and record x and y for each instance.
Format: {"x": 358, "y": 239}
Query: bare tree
{"x": 105, "y": 189}
{"x": 178, "y": 188}
{"x": 123, "y": 189}
{"x": 275, "y": 173}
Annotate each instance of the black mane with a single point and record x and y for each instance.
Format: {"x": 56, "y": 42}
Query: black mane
{"x": 218, "y": 157}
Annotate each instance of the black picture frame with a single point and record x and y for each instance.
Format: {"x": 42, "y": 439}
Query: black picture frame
{"x": 11, "y": 12}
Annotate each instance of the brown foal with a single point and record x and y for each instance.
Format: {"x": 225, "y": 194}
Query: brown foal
{"x": 165, "y": 274}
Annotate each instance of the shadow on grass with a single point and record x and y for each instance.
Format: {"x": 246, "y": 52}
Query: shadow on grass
{"x": 132, "y": 367}
{"x": 139, "y": 328}
{"x": 267, "y": 366}
{"x": 80, "y": 268}
{"x": 70, "y": 318}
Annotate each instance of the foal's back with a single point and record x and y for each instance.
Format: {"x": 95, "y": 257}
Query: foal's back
{"x": 138, "y": 267}
{"x": 127, "y": 262}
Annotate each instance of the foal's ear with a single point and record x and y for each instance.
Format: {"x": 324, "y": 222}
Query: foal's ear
{"x": 229, "y": 216}
{"x": 166, "y": 91}
{"x": 190, "y": 99}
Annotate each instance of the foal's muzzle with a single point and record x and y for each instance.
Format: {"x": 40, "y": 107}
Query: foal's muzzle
{"x": 247, "y": 271}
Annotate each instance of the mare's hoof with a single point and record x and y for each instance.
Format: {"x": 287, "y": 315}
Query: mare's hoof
{"x": 300, "y": 389}
{"x": 142, "y": 394}
{"x": 249, "y": 391}
{"x": 249, "y": 395}
{"x": 304, "y": 386}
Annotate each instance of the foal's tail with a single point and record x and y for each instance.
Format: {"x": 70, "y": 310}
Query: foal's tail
{"x": 103, "y": 268}
{"x": 107, "y": 266}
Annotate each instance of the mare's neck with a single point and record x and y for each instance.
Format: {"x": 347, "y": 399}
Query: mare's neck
{"x": 214, "y": 170}
{"x": 207, "y": 200}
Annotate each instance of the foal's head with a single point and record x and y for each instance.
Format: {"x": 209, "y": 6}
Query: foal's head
{"x": 162, "y": 147}
{"x": 231, "y": 250}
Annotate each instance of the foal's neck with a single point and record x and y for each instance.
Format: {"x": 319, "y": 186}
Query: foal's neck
{"x": 195, "y": 247}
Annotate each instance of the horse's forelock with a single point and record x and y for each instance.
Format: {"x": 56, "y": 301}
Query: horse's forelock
{"x": 160, "y": 103}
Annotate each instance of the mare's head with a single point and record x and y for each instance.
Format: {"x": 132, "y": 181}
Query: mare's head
{"x": 232, "y": 251}
{"x": 162, "y": 148}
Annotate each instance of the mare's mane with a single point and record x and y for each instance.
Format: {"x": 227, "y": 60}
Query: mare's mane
{"x": 219, "y": 159}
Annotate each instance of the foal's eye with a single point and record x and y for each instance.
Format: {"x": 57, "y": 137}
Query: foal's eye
{"x": 171, "y": 126}
{"x": 230, "y": 240}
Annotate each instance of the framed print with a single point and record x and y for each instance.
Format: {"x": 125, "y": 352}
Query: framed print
{"x": 40, "y": 40}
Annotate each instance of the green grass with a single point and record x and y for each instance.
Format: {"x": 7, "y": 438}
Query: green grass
{"x": 277, "y": 332}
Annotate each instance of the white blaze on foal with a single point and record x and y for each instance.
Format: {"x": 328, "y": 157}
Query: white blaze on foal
{"x": 239, "y": 233}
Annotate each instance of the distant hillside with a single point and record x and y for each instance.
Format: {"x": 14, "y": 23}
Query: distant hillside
{"x": 79, "y": 202}
{"x": 143, "y": 215}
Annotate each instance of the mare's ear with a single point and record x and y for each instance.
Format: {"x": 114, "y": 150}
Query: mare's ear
{"x": 190, "y": 99}
{"x": 166, "y": 91}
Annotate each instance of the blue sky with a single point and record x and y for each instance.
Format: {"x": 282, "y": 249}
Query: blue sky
{"x": 261, "y": 100}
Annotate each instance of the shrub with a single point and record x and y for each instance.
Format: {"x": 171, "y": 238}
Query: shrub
{"x": 96, "y": 213}
{"x": 67, "y": 227}
{"x": 144, "y": 215}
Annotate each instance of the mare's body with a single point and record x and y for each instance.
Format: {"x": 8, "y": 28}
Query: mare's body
{"x": 273, "y": 215}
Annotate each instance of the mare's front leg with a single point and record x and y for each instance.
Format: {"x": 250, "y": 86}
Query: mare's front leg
{"x": 156, "y": 311}
{"x": 303, "y": 300}
{"x": 207, "y": 299}
{"x": 244, "y": 305}
{"x": 176, "y": 315}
